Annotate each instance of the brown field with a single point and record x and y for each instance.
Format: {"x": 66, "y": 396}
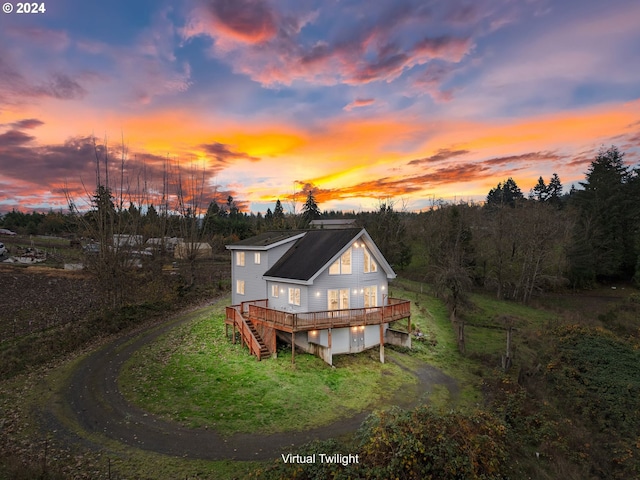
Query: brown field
{"x": 37, "y": 297}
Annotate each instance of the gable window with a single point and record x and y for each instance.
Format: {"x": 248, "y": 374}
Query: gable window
{"x": 338, "y": 299}
{"x": 342, "y": 266}
{"x": 240, "y": 259}
{"x": 256, "y": 258}
{"x": 240, "y": 287}
{"x": 334, "y": 269}
{"x": 370, "y": 297}
{"x": 294, "y": 296}
{"x": 345, "y": 262}
{"x": 369, "y": 265}
{"x": 274, "y": 291}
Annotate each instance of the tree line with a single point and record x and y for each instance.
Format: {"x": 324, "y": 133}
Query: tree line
{"x": 513, "y": 244}
{"x": 519, "y": 246}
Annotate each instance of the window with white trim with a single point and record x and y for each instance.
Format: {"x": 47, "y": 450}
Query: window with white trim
{"x": 345, "y": 262}
{"x": 256, "y": 258}
{"x": 370, "y": 297}
{"x": 240, "y": 259}
{"x": 369, "y": 265}
{"x": 338, "y": 299}
{"x": 275, "y": 291}
{"x": 342, "y": 266}
{"x": 294, "y": 296}
{"x": 240, "y": 287}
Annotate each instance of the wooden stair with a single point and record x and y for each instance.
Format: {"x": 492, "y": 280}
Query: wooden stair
{"x": 264, "y": 351}
{"x": 249, "y": 334}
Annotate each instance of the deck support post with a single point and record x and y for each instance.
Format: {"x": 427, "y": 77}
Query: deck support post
{"x": 233, "y": 327}
{"x": 382, "y": 343}
{"x": 329, "y": 345}
{"x": 274, "y": 344}
{"x": 293, "y": 348}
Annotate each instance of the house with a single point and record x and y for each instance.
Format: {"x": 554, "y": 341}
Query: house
{"x": 167, "y": 243}
{"x": 127, "y": 241}
{"x": 323, "y": 291}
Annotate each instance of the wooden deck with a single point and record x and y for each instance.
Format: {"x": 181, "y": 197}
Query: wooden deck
{"x": 258, "y": 311}
{"x": 258, "y": 324}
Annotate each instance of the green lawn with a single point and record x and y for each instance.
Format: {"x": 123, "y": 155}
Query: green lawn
{"x": 196, "y": 376}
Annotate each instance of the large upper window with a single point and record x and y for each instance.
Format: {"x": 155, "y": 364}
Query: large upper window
{"x": 256, "y": 258}
{"x": 240, "y": 259}
{"x": 342, "y": 266}
{"x": 294, "y": 296}
{"x": 369, "y": 264}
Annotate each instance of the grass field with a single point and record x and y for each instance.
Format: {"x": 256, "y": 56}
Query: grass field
{"x": 194, "y": 375}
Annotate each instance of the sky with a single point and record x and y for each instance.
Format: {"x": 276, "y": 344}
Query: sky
{"x": 360, "y": 102}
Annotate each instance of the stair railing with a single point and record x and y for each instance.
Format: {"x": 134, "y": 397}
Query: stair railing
{"x": 245, "y": 332}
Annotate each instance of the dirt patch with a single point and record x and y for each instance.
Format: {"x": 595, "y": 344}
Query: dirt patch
{"x": 36, "y": 298}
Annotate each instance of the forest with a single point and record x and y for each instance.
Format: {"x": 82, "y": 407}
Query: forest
{"x": 515, "y": 244}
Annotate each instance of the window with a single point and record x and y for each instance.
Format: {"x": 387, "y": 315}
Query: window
{"x": 274, "y": 291}
{"x": 240, "y": 259}
{"x": 342, "y": 265}
{"x": 294, "y": 296}
{"x": 370, "y": 297}
{"x": 240, "y": 287}
{"x": 369, "y": 264}
{"x": 338, "y": 299}
{"x": 256, "y": 258}
{"x": 334, "y": 269}
{"x": 345, "y": 262}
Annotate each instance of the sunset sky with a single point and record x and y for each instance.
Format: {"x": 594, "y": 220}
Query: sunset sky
{"x": 358, "y": 100}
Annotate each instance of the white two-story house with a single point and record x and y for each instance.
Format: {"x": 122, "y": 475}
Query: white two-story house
{"x": 324, "y": 290}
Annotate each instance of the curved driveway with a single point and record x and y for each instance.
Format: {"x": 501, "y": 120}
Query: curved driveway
{"x": 99, "y": 407}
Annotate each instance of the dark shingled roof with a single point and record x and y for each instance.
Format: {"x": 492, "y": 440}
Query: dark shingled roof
{"x": 310, "y": 253}
{"x": 267, "y": 238}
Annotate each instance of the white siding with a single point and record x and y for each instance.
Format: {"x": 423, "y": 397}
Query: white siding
{"x": 282, "y": 302}
{"x": 356, "y": 281}
{"x": 252, "y": 272}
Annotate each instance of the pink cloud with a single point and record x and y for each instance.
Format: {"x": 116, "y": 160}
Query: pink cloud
{"x": 359, "y": 102}
{"x": 50, "y": 39}
{"x": 269, "y": 49}
{"x": 250, "y": 21}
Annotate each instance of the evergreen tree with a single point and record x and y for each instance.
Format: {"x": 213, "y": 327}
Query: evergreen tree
{"x": 278, "y": 215}
{"x": 507, "y": 193}
{"x": 604, "y": 246}
{"x": 310, "y": 210}
{"x": 540, "y": 191}
{"x": 554, "y": 189}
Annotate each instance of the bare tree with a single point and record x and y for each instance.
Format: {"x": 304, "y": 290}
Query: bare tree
{"x": 190, "y": 204}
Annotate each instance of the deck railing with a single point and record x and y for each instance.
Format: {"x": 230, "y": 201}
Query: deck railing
{"x": 235, "y": 317}
{"x": 396, "y": 309}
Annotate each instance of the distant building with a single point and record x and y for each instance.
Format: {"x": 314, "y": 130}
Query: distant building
{"x": 125, "y": 240}
{"x": 334, "y": 224}
{"x": 184, "y": 250}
